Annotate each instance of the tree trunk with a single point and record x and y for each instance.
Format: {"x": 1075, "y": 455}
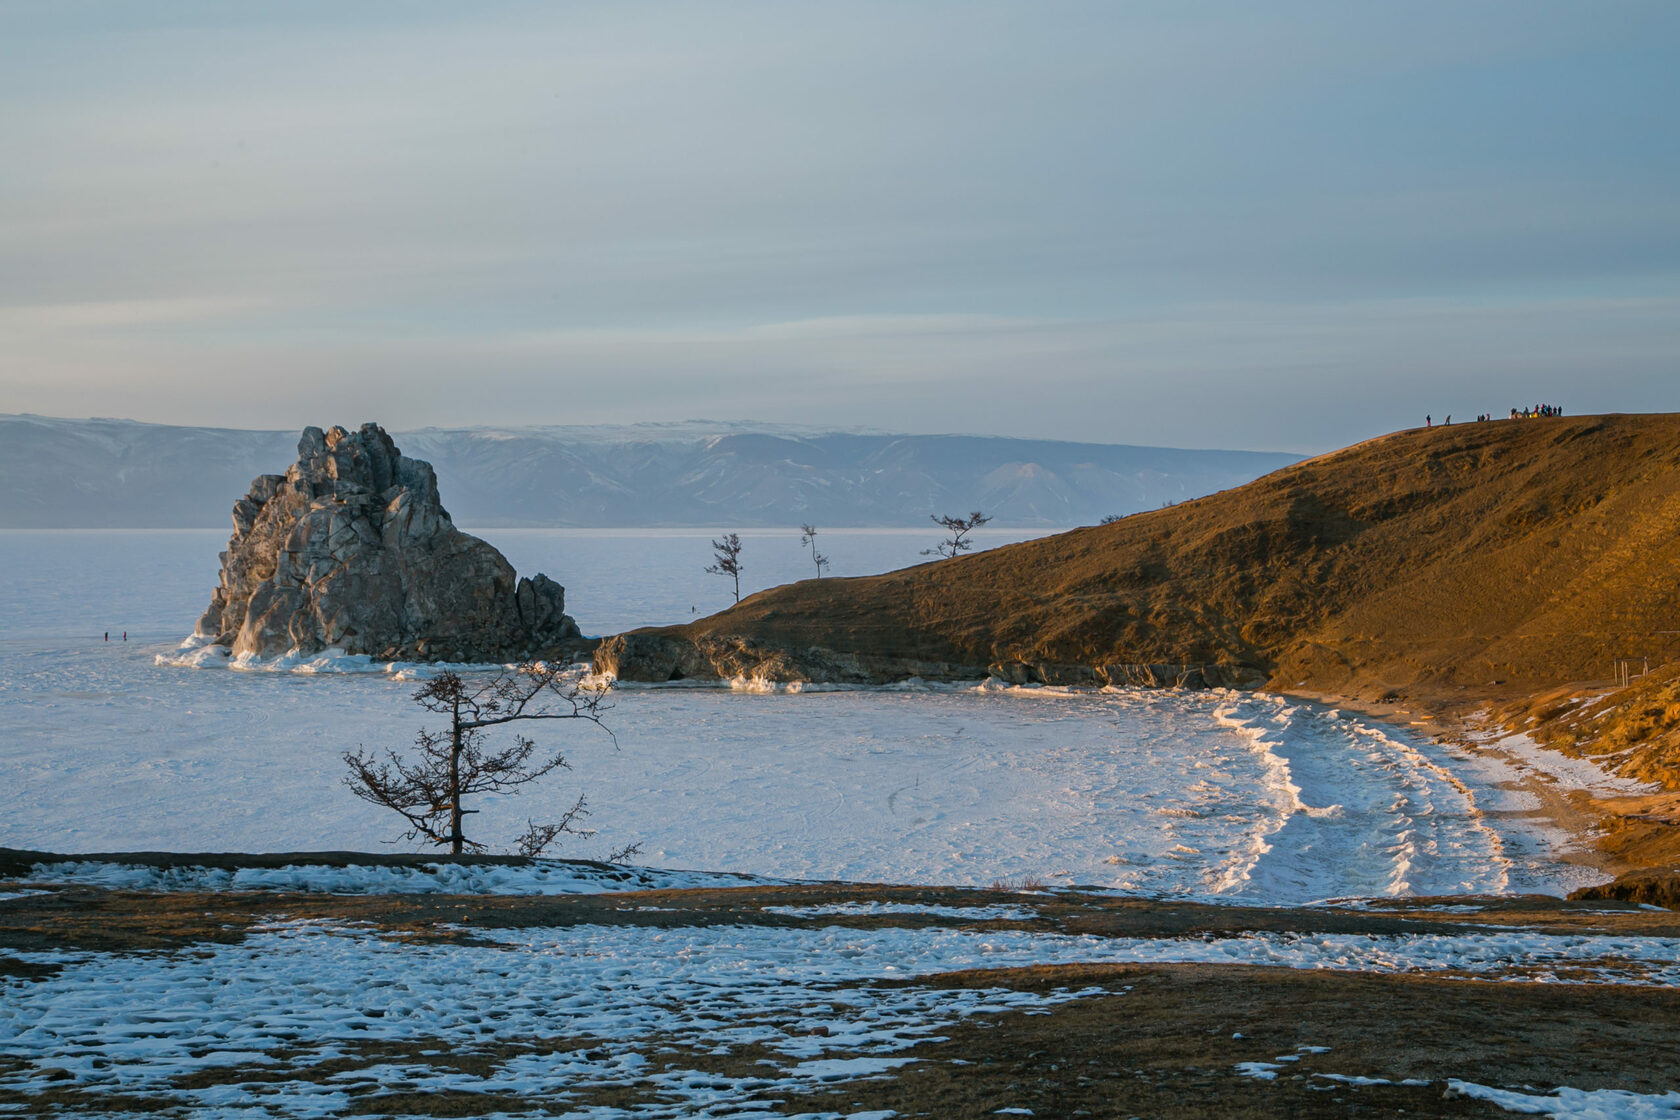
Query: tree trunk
{"x": 455, "y": 838}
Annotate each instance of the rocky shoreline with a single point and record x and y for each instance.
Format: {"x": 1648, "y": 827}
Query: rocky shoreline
{"x": 658, "y": 657}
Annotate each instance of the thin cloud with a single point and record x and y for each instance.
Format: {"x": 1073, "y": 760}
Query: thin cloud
{"x": 1282, "y": 226}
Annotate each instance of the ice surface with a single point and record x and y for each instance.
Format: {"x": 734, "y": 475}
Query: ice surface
{"x": 1328, "y": 818}
{"x": 1141, "y": 792}
{"x": 1216, "y": 795}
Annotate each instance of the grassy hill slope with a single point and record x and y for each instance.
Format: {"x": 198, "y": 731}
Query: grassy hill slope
{"x": 1518, "y": 553}
{"x": 1459, "y": 567}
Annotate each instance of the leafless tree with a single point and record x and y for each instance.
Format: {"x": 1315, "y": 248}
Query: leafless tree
{"x": 959, "y": 528}
{"x": 450, "y": 765}
{"x": 727, "y": 553}
{"x": 808, "y": 536}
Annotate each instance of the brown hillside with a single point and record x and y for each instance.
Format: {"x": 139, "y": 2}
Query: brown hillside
{"x": 1478, "y": 562}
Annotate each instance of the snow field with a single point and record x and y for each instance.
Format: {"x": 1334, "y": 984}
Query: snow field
{"x": 1563, "y": 1103}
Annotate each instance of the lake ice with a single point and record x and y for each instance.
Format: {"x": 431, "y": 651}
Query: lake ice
{"x": 1233, "y": 796}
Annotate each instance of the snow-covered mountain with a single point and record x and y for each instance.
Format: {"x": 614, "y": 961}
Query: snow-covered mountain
{"x": 57, "y": 473}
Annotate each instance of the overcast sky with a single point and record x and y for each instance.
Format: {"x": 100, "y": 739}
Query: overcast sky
{"x": 1278, "y": 225}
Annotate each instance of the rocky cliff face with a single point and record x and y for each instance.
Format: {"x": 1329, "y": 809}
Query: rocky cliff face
{"x": 352, "y": 549}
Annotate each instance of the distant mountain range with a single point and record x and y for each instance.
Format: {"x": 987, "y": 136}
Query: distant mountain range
{"x": 58, "y": 473}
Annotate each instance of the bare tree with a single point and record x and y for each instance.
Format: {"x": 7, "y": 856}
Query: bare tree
{"x": 808, "y": 536}
{"x": 959, "y": 528}
{"x": 728, "y": 556}
{"x": 455, "y": 763}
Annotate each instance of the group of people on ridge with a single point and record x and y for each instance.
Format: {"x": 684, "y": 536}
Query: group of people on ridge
{"x": 1516, "y": 414}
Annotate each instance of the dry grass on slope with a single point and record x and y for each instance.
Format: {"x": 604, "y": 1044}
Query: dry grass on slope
{"x": 1497, "y": 557}
{"x": 1633, "y": 730}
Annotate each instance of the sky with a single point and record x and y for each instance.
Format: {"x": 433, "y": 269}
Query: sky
{"x": 1280, "y": 226}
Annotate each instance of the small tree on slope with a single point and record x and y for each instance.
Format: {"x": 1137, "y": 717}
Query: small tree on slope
{"x": 808, "y": 536}
{"x": 456, "y": 763}
{"x": 959, "y": 528}
{"x": 727, "y": 553}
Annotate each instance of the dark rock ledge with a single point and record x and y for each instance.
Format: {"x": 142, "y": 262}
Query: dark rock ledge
{"x": 657, "y": 656}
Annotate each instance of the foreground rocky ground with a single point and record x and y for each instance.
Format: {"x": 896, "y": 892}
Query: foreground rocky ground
{"x": 838, "y": 1000}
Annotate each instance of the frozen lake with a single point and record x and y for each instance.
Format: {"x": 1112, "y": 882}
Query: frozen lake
{"x": 1221, "y": 795}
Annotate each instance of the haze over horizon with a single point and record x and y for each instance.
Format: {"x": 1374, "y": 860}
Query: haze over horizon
{"x": 1201, "y": 225}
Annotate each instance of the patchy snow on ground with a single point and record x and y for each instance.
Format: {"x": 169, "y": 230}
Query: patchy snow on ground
{"x": 542, "y": 877}
{"x": 1564, "y": 771}
{"x": 1575, "y": 1104}
{"x": 1000, "y": 913}
{"x": 570, "y": 1012}
{"x": 563, "y": 1013}
{"x": 4, "y": 895}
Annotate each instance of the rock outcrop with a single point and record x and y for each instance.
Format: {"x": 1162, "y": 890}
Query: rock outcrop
{"x": 352, "y": 549}
{"x": 1651, "y": 886}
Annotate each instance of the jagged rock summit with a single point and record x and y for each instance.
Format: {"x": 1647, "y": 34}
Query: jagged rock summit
{"x": 352, "y": 549}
